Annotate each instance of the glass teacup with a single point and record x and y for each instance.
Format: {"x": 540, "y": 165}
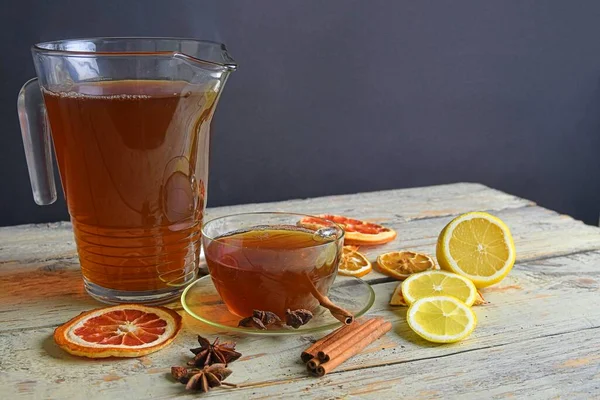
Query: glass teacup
{"x": 266, "y": 261}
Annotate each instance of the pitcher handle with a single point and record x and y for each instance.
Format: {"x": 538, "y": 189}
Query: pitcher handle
{"x": 37, "y": 142}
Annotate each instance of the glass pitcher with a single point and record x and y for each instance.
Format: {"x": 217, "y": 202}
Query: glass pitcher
{"x": 130, "y": 122}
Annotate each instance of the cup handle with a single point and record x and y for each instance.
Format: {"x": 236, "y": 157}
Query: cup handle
{"x": 37, "y": 141}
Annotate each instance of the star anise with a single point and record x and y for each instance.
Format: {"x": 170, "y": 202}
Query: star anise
{"x": 297, "y": 318}
{"x": 201, "y": 379}
{"x": 266, "y": 317}
{"x": 260, "y": 320}
{"x": 252, "y": 322}
{"x": 208, "y": 354}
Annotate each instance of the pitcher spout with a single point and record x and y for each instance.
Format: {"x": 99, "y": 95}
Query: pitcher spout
{"x": 201, "y": 51}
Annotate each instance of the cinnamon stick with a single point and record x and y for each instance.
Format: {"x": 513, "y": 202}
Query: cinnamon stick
{"x": 313, "y": 364}
{"x": 342, "y": 315}
{"x": 362, "y": 330}
{"x": 344, "y": 330}
{"x": 352, "y": 348}
{"x": 356, "y": 340}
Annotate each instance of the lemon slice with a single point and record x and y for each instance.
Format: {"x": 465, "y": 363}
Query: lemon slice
{"x": 397, "y": 298}
{"x": 441, "y": 319}
{"x": 478, "y": 246}
{"x": 354, "y": 263}
{"x": 438, "y": 283}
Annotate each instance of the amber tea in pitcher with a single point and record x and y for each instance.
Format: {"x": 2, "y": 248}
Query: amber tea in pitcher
{"x": 132, "y": 186}
{"x": 130, "y": 121}
{"x": 271, "y": 267}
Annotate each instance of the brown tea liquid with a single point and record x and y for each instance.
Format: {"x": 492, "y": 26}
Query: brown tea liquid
{"x": 270, "y": 268}
{"x": 133, "y": 159}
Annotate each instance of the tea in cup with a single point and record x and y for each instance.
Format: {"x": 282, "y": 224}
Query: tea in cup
{"x": 265, "y": 261}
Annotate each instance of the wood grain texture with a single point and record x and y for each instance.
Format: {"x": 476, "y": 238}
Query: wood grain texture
{"x": 55, "y": 240}
{"x": 539, "y": 233}
{"x": 538, "y": 337}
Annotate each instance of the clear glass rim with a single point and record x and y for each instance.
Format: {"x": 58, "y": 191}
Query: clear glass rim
{"x": 274, "y": 213}
{"x": 47, "y": 48}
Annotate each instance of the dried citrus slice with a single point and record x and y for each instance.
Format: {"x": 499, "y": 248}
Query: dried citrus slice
{"x": 356, "y": 231}
{"x": 478, "y": 246}
{"x": 402, "y": 264}
{"x": 354, "y": 263}
{"x": 479, "y": 300}
{"x": 397, "y": 297}
{"x": 441, "y": 319}
{"x": 438, "y": 283}
{"x": 126, "y": 330}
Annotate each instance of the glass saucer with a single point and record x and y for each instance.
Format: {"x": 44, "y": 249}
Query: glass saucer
{"x": 201, "y": 300}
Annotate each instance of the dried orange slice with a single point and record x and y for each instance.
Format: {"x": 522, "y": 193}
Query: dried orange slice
{"x": 356, "y": 231}
{"x": 402, "y": 264}
{"x": 126, "y": 330}
{"x": 353, "y": 263}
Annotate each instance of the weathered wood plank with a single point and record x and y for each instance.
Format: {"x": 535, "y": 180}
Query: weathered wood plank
{"x": 538, "y": 335}
{"x": 562, "y": 366}
{"x": 407, "y": 204}
{"x": 31, "y": 284}
{"x": 55, "y": 240}
{"x": 538, "y": 233}
{"x": 51, "y": 243}
{"x": 531, "y": 304}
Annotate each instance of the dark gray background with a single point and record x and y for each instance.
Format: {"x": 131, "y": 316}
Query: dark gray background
{"x": 346, "y": 96}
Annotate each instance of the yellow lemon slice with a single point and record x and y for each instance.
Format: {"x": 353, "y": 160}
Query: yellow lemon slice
{"x": 478, "y": 246}
{"x": 353, "y": 263}
{"x": 438, "y": 283}
{"x": 441, "y": 319}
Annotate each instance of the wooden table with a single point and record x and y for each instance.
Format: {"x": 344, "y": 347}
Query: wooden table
{"x": 538, "y": 338}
